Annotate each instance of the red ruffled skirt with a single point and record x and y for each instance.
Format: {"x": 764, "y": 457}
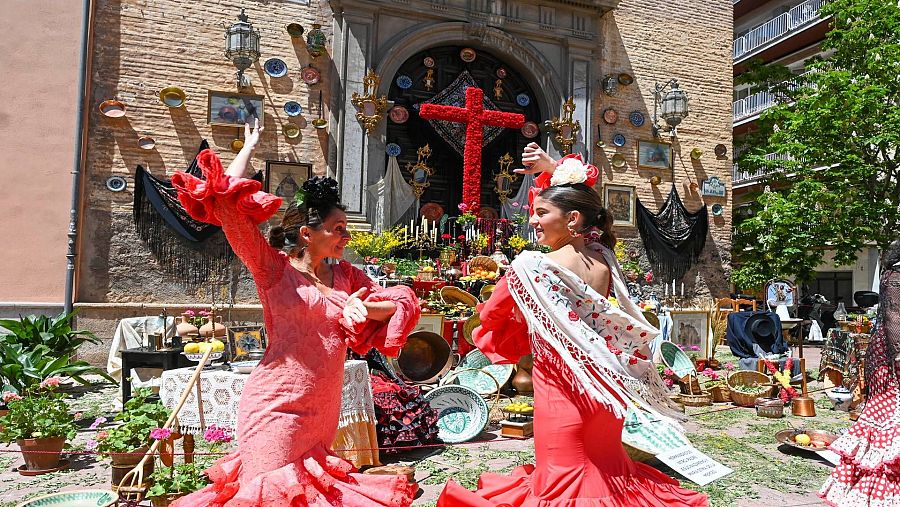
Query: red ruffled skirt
{"x": 317, "y": 479}
{"x": 580, "y": 461}
{"x": 869, "y": 472}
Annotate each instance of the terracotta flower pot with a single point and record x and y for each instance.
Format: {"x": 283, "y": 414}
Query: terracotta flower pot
{"x": 164, "y": 501}
{"x": 131, "y": 458}
{"x": 41, "y": 453}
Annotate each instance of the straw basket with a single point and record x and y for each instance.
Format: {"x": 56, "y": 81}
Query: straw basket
{"x": 748, "y": 378}
{"x": 484, "y": 262}
{"x": 690, "y": 385}
{"x": 720, "y": 393}
{"x": 696, "y": 400}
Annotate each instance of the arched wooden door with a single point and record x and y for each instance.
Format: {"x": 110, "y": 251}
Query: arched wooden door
{"x": 446, "y": 182}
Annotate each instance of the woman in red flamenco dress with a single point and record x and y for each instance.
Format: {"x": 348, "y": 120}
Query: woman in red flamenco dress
{"x": 590, "y": 358}
{"x": 313, "y": 311}
{"x": 869, "y": 472}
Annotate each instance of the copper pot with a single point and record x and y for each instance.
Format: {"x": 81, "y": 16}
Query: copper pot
{"x": 803, "y": 406}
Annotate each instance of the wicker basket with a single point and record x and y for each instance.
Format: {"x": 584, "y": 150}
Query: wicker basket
{"x": 483, "y": 262}
{"x": 690, "y": 385}
{"x": 748, "y": 378}
{"x": 720, "y": 394}
{"x": 696, "y": 400}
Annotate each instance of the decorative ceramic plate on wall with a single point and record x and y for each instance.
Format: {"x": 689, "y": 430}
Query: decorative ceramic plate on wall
{"x": 146, "y": 143}
{"x": 116, "y": 183}
{"x": 462, "y": 413}
{"x": 501, "y": 73}
{"x": 636, "y": 118}
{"x": 398, "y": 114}
{"x": 610, "y": 115}
{"x": 392, "y": 149}
{"x": 310, "y": 75}
{"x": 718, "y": 210}
{"x": 523, "y": 99}
{"x": 619, "y": 140}
{"x": 404, "y": 82}
{"x": 291, "y": 130}
{"x": 432, "y": 211}
{"x": 618, "y": 160}
{"x": 467, "y": 55}
{"x": 428, "y": 62}
{"x": 530, "y": 129}
{"x": 275, "y": 67}
{"x": 721, "y": 150}
{"x": 112, "y": 108}
{"x": 625, "y": 79}
{"x": 292, "y": 108}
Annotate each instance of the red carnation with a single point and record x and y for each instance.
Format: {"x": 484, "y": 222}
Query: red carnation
{"x": 445, "y": 236}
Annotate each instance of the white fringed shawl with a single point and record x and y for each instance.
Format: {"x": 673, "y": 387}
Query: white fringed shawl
{"x": 604, "y": 350}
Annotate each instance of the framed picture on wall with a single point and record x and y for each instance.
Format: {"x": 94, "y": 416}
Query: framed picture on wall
{"x": 619, "y": 200}
{"x": 654, "y": 155}
{"x": 285, "y": 178}
{"x": 433, "y": 322}
{"x": 244, "y": 338}
{"x": 233, "y": 109}
{"x": 690, "y": 330}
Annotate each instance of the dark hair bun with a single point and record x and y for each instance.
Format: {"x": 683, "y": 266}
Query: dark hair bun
{"x": 321, "y": 190}
{"x": 601, "y": 218}
{"x": 276, "y": 236}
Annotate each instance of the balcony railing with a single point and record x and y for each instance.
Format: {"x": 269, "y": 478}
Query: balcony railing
{"x": 775, "y": 28}
{"x": 760, "y": 101}
{"x": 745, "y": 177}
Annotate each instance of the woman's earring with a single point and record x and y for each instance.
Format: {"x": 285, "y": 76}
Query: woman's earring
{"x": 573, "y": 233}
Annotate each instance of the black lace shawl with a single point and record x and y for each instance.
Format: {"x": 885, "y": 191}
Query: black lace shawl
{"x": 674, "y": 237}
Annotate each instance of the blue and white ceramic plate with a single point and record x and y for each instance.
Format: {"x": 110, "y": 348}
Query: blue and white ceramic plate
{"x": 292, "y": 108}
{"x": 82, "y": 498}
{"x": 482, "y": 373}
{"x": 718, "y": 210}
{"x": 462, "y": 413}
{"x": 619, "y": 140}
{"x": 636, "y": 118}
{"x": 275, "y": 67}
{"x": 404, "y": 82}
{"x": 393, "y": 149}
{"x": 523, "y": 99}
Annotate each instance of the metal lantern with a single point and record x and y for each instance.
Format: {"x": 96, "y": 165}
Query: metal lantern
{"x": 673, "y": 106}
{"x": 242, "y": 45}
{"x": 315, "y": 41}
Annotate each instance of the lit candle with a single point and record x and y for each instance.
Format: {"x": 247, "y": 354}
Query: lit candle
{"x": 667, "y": 289}
{"x": 682, "y": 289}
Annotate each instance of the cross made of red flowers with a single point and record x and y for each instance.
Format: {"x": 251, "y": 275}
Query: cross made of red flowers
{"x": 475, "y": 118}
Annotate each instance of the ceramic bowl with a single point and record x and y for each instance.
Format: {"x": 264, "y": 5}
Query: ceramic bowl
{"x": 112, "y": 108}
{"x": 80, "y": 498}
{"x": 462, "y": 413}
{"x": 294, "y": 29}
{"x": 244, "y": 366}
{"x": 215, "y": 356}
{"x": 172, "y": 96}
{"x": 841, "y": 398}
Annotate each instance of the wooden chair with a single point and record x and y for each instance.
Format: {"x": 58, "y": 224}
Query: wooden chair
{"x": 744, "y": 302}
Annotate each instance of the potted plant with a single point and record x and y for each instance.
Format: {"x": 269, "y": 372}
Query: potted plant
{"x": 40, "y": 423}
{"x": 177, "y": 481}
{"x": 716, "y": 384}
{"x": 127, "y": 442}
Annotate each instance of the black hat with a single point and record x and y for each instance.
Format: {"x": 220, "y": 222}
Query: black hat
{"x": 760, "y": 325}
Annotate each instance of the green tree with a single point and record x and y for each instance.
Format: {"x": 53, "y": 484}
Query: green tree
{"x": 836, "y": 132}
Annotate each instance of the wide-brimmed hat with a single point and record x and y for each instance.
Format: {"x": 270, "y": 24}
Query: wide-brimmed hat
{"x": 760, "y": 325}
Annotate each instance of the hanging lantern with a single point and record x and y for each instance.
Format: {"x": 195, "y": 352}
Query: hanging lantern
{"x": 242, "y": 45}
{"x": 315, "y": 41}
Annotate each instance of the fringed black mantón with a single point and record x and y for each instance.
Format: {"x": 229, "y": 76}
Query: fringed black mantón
{"x": 189, "y": 250}
{"x": 674, "y": 237}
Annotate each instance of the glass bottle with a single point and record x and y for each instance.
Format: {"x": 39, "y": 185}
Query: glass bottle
{"x": 840, "y": 314}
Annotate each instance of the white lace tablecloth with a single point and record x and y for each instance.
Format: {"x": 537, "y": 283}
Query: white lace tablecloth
{"x": 221, "y": 393}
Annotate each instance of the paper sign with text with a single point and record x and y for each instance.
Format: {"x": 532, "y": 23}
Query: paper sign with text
{"x": 694, "y": 465}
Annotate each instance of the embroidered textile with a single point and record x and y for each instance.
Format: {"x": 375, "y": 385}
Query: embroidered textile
{"x": 674, "y": 237}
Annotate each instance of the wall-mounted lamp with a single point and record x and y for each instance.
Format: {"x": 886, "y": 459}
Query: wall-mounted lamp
{"x": 371, "y": 107}
{"x": 566, "y": 130}
{"x": 672, "y": 107}
{"x": 242, "y": 46}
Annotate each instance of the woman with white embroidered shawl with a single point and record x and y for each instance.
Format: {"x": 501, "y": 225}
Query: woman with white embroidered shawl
{"x": 591, "y": 359}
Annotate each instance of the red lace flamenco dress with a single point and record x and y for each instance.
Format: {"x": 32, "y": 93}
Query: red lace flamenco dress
{"x": 869, "y": 472}
{"x": 580, "y": 461}
{"x": 290, "y": 405}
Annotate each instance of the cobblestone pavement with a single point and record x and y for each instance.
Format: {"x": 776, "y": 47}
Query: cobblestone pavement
{"x": 765, "y": 474}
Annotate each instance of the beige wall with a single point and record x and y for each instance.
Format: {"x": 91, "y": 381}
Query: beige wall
{"x": 691, "y": 41}
{"x": 37, "y": 133}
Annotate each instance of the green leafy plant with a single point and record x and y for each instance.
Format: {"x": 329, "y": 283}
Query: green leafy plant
{"x": 177, "y": 480}
{"x": 405, "y": 267}
{"x": 22, "y": 367}
{"x": 137, "y": 419}
{"x": 40, "y": 412}
{"x": 55, "y": 333}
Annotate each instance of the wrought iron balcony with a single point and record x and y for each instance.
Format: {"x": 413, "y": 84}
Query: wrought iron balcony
{"x": 777, "y": 28}
{"x": 740, "y": 178}
{"x": 758, "y": 102}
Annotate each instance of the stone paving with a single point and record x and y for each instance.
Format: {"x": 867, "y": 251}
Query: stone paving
{"x": 765, "y": 474}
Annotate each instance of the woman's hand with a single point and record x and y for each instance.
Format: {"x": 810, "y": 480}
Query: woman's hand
{"x": 536, "y": 160}
{"x": 251, "y": 135}
{"x": 355, "y": 312}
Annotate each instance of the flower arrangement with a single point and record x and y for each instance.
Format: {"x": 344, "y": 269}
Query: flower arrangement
{"x": 787, "y": 392}
{"x": 370, "y": 244}
{"x": 712, "y": 378}
{"x": 516, "y": 243}
{"x": 667, "y": 374}
{"x": 467, "y": 215}
{"x": 480, "y": 242}
{"x": 140, "y": 422}
{"x": 39, "y": 412}
{"x": 197, "y": 318}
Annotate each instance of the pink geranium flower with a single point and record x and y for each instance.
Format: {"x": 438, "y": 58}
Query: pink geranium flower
{"x": 97, "y": 422}
{"x": 50, "y": 382}
{"x": 160, "y": 433}
{"x": 463, "y": 207}
{"x": 9, "y": 396}
{"x": 217, "y": 434}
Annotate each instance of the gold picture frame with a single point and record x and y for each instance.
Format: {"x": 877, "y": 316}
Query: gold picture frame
{"x": 654, "y": 155}
{"x": 433, "y": 322}
{"x": 244, "y": 338}
{"x": 284, "y": 179}
{"x": 619, "y": 200}
{"x": 690, "y": 329}
{"x": 229, "y": 109}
